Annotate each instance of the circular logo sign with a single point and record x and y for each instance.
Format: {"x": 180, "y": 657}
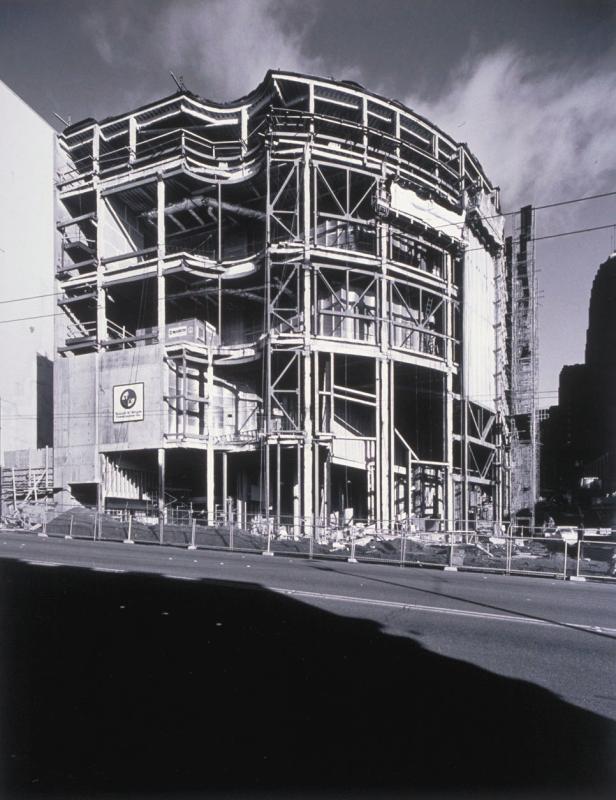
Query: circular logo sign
{"x": 128, "y": 398}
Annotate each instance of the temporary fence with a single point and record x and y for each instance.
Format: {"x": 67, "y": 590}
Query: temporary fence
{"x": 596, "y": 558}
{"x": 419, "y": 542}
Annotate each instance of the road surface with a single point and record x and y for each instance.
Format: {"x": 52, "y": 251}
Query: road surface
{"x": 131, "y": 668}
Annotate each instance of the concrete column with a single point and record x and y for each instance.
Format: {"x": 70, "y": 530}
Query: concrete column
{"x": 209, "y": 489}
{"x": 297, "y": 490}
{"x": 132, "y": 139}
{"x": 465, "y": 482}
{"x": 331, "y": 393}
{"x": 219, "y": 226}
{"x": 448, "y": 450}
{"x": 378, "y": 455}
{"x": 306, "y": 394}
{"x": 161, "y": 304}
{"x": 385, "y": 404}
{"x": 464, "y": 401}
{"x": 409, "y": 486}
{"x": 266, "y": 481}
{"x": 161, "y": 252}
{"x": 161, "y": 492}
{"x": 449, "y": 502}
{"x": 101, "y": 315}
{"x": 278, "y": 479}
{"x": 244, "y": 129}
{"x": 308, "y": 503}
{"x": 384, "y": 396}
{"x": 101, "y": 493}
{"x": 371, "y": 483}
{"x": 311, "y": 104}
{"x": 101, "y": 296}
{"x": 499, "y": 391}
{"x": 316, "y": 456}
{"x": 397, "y": 135}
{"x": 384, "y": 399}
{"x": 96, "y": 148}
{"x": 390, "y": 432}
{"x": 327, "y": 489}
{"x": 225, "y": 488}
{"x": 364, "y": 122}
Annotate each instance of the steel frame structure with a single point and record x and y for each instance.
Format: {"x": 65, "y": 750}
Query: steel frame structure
{"x": 331, "y": 372}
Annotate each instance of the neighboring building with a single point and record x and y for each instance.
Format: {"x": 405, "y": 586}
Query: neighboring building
{"x": 523, "y": 357}
{"x": 291, "y": 305}
{"x": 27, "y": 172}
{"x": 579, "y": 437}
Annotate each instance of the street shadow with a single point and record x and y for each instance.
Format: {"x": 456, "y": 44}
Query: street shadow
{"x": 132, "y": 685}
{"x": 468, "y": 601}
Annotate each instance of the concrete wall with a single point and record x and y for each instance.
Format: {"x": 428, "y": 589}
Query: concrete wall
{"x": 138, "y": 365}
{"x": 76, "y": 427}
{"x": 75, "y": 459}
{"x": 27, "y": 148}
{"x": 118, "y": 230}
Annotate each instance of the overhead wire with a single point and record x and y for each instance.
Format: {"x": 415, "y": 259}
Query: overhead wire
{"x": 560, "y": 234}
{"x": 535, "y": 208}
{"x": 446, "y": 225}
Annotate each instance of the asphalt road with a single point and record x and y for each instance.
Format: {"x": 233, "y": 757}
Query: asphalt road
{"x": 133, "y": 669}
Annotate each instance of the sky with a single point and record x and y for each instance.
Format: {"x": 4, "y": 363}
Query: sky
{"x": 529, "y": 85}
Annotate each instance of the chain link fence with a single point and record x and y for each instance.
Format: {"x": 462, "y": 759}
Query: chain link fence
{"x": 420, "y": 542}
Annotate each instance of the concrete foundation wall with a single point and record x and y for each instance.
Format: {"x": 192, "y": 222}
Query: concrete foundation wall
{"x": 128, "y": 367}
{"x": 76, "y": 459}
{"x": 75, "y": 420}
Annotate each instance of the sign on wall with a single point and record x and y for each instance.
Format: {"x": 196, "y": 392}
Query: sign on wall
{"x": 128, "y": 402}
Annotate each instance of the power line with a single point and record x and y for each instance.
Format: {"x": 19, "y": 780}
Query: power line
{"x": 27, "y": 319}
{"x": 470, "y": 250}
{"x": 568, "y": 202}
{"x": 440, "y": 227}
{"x": 536, "y": 208}
{"x": 571, "y": 233}
{"x": 29, "y": 297}
{"x": 552, "y": 235}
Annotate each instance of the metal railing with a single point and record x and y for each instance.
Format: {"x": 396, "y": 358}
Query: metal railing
{"x": 176, "y": 143}
{"x": 418, "y": 543}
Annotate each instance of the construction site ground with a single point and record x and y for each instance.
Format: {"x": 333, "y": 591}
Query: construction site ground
{"x": 526, "y": 556}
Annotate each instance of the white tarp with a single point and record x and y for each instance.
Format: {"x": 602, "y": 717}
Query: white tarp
{"x": 479, "y": 334}
{"x": 407, "y": 202}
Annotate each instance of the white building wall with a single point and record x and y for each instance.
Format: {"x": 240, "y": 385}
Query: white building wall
{"x": 27, "y": 148}
{"x": 479, "y": 335}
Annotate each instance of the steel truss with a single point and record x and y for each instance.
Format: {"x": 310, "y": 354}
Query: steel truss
{"x": 330, "y": 313}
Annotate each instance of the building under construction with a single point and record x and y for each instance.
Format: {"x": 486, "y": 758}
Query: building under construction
{"x": 293, "y": 305}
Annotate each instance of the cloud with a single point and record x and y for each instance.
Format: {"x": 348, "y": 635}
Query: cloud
{"x": 230, "y": 45}
{"x": 108, "y": 29}
{"x": 222, "y": 48}
{"x": 541, "y": 135}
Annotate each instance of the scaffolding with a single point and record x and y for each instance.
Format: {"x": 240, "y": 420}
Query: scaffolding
{"x": 524, "y": 369}
{"x": 26, "y": 484}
